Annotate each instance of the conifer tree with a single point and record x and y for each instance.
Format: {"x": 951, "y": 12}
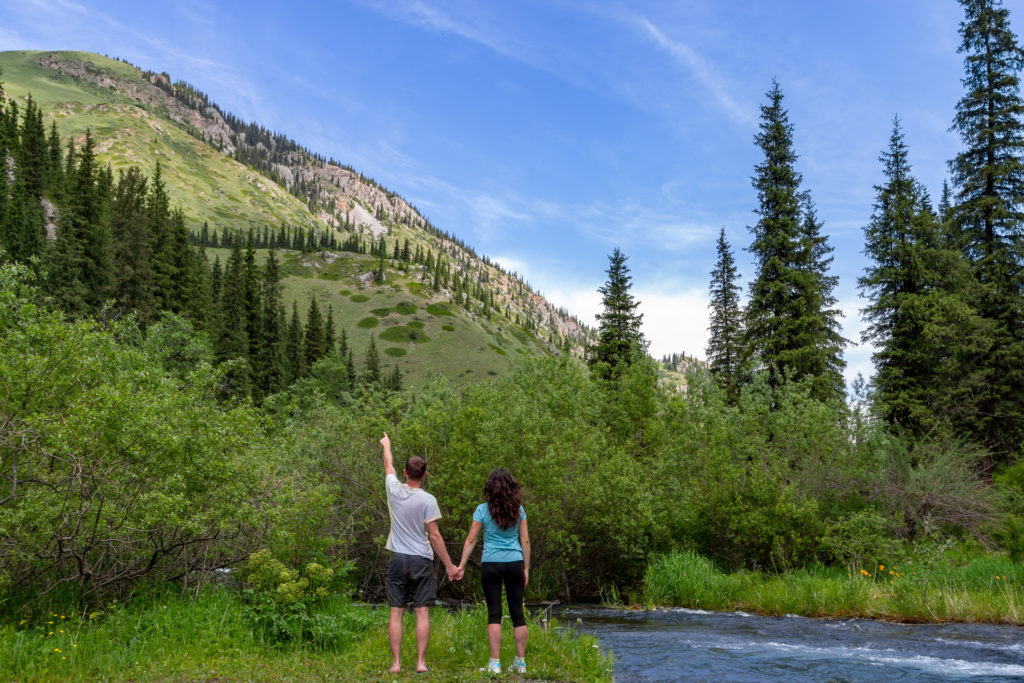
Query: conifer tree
{"x": 329, "y": 331}
{"x": 725, "y": 341}
{"x": 620, "y": 341}
{"x": 271, "y": 363}
{"x": 789, "y": 328}
{"x": 78, "y": 264}
{"x": 132, "y": 246}
{"x": 316, "y": 341}
{"x": 918, "y": 316}
{"x": 371, "y": 374}
{"x": 293, "y": 352}
{"x": 987, "y": 220}
{"x": 33, "y": 151}
{"x": 233, "y": 339}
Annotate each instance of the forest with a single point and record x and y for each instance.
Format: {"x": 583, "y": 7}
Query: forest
{"x": 165, "y": 422}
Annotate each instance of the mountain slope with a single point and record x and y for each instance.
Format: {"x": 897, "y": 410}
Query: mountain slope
{"x": 236, "y": 176}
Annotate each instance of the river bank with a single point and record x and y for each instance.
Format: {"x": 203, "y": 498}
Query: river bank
{"x": 985, "y": 589}
{"x": 170, "y": 638}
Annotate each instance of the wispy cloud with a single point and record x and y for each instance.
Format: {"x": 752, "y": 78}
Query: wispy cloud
{"x": 700, "y": 69}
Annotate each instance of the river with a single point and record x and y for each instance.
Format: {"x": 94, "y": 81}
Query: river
{"x": 685, "y": 644}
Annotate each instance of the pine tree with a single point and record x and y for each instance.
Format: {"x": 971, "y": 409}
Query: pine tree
{"x": 371, "y": 374}
{"x": 824, "y": 359}
{"x": 789, "y": 329}
{"x": 987, "y": 219}
{"x": 316, "y": 341}
{"x": 33, "y": 152}
{"x": 725, "y": 342}
{"x": 620, "y": 340}
{"x": 329, "y": 331}
{"x": 293, "y": 351}
{"x": 918, "y": 316}
{"x": 132, "y": 245}
{"x": 271, "y": 362}
{"x": 78, "y": 264}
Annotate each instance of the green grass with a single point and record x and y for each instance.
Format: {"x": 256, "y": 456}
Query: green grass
{"x": 395, "y": 351}
{"x": 498, "y": 350}
{"x": 381, "y": 312}
{"x": 985, "y": 589}
{"x": 368, "y": 322}
{"x": 359, "y": 298}
{"x": 448, "y": 328}
{"x": 171, "y": 638}
{"x": 415, "y": 324}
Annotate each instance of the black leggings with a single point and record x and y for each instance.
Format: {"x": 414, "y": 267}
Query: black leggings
{"x": 511, "y": 574}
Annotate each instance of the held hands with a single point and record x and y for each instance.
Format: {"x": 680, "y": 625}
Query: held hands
{"x": 455, "y": 573}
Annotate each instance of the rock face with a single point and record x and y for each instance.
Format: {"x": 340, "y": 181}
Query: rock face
{"x": 334, "y": 194}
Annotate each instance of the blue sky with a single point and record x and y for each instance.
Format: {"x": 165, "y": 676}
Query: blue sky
{"x": 547, "y": 132}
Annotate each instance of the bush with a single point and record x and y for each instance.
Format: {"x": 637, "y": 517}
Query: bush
{"x": 304, "y": 605}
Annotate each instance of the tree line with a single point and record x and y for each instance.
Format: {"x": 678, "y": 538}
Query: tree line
{"x": 945, "y": 281}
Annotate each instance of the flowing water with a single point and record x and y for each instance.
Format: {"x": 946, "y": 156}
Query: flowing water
{"x": 685, "y": 645}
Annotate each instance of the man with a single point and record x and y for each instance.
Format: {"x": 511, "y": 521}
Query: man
{"x": 414, "y": 514}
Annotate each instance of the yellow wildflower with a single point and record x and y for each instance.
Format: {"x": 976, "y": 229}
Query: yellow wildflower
{"x": 881, "y": 567}
{"x": 865, "y": 573}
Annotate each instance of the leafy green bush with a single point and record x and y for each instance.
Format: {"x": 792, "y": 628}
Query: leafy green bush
{"x": 304, "y": 605}
{"x": 406, "y": 308}
{"x": 438, "y": 309}
{"x": 395, "y": 351}
{"x": 359, "y": 298}
{"x": 112, "y": 470}
{"x": 368, "y": 322}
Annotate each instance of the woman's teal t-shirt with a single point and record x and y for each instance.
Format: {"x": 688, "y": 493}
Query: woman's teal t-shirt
{"x": 500, "y": 545}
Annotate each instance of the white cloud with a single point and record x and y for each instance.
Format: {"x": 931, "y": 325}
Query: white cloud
{"x": 700, "y": 69}
{"x": 675, "y": 322}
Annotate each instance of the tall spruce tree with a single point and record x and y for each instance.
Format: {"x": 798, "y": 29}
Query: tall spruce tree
{"x": 787, "y": 320}
{"x": 987, "y": 219}
{"x": 132, "y": 245}
{"x": 725, "y": 343}
{"x": 918, "y": 316}
{"x": 619, "y": 339}
{"x": 271, "y": 370}
{"x": 371, "y": 364}
{"x": 293, "y": 352}
{"x": 316, "y": 340}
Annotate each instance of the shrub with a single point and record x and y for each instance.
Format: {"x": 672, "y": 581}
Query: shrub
{"x": 359, "y": 298}
{"x": 368, "y": 322}
{"x": 301, "y": 605}
{"x": 406, "y": 308}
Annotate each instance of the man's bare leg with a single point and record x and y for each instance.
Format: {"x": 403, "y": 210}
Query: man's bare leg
{"x": 395, "y": 638}
{"x": 422, "y": 636}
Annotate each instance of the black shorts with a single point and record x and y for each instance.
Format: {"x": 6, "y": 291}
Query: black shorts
{"x": 411, "y": 581}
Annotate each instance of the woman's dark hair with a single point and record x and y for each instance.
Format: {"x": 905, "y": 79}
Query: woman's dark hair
{"x": 503, "y": 496}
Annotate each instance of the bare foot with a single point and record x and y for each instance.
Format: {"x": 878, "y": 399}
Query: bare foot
{"x": 395, "y": 669}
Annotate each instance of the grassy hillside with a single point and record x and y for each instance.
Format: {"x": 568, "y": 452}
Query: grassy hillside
{"x": 141, "y": 119}
{"x": 208, "y": 184}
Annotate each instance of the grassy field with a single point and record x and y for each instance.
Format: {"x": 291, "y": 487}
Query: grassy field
{"x": 210, "y": 638}
{"x": 984, "y": 589}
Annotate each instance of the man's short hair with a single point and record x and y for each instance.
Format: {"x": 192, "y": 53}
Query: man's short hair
{"x": 415, "y": 468}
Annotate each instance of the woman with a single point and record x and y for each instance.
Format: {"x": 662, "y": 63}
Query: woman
{"x": 506, "y": 560}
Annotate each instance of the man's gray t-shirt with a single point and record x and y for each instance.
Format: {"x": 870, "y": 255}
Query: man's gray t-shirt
{"x": 411, "y": 510}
